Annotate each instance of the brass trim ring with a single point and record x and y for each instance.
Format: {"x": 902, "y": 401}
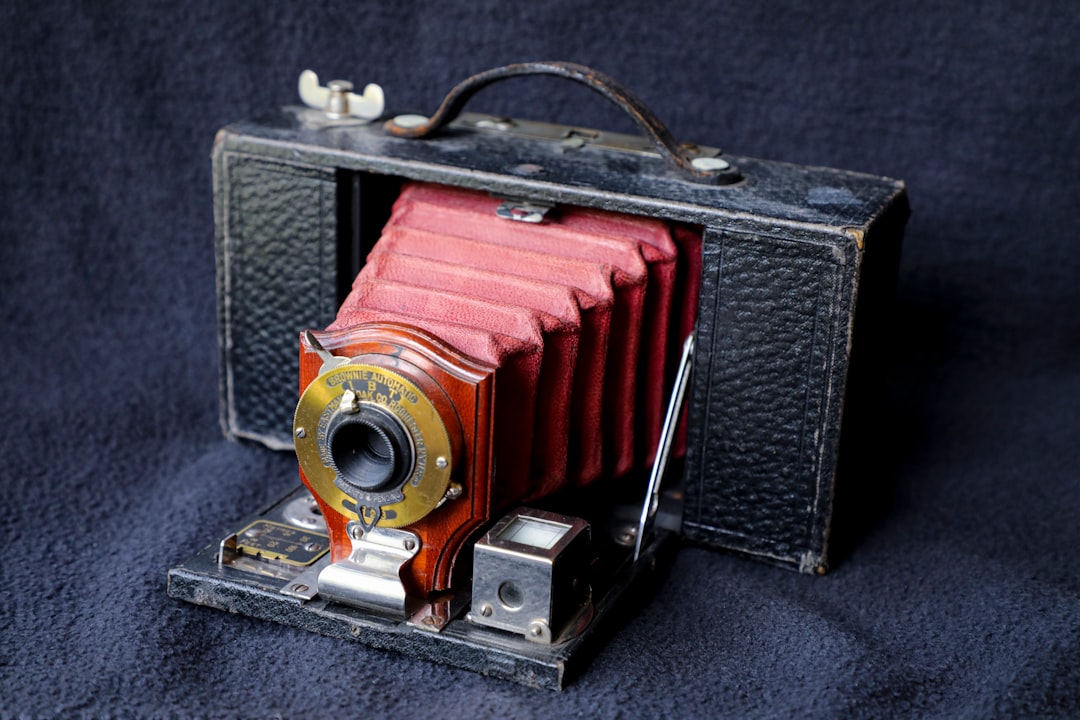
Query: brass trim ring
{"x": 423, "y": 489}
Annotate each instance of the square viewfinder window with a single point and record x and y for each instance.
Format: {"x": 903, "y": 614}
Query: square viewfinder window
{"x": 542, "y": 534}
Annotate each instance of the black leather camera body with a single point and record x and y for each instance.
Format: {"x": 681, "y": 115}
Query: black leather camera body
{"x": 791, "y": 269}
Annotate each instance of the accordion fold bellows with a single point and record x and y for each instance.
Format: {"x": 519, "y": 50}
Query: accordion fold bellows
{"x": 481, "y": 273}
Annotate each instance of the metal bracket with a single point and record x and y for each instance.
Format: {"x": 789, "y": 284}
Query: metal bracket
{"x": 330, "y": 360}
{"x": 663, "y": 450}
{"x": 371, "y": 576}
{"x": 523, "y": 210}
{"x": 305, "y": 586}
{"x": 226, "y": 547}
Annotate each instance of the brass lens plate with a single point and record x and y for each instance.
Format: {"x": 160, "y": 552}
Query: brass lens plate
{"x": 425, "y": 487}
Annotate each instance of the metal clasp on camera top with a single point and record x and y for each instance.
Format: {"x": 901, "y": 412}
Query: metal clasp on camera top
{"x": 528, "y": 211}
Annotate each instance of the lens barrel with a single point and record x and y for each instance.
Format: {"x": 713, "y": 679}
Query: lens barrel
{"x": 370, "y": 449}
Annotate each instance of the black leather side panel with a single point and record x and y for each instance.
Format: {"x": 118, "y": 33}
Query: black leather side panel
{"x": 768, "y": 384}
{"x": 277, "y": 274}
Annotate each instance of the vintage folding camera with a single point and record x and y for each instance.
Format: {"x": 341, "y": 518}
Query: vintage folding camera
{"x": 531, "y": 358}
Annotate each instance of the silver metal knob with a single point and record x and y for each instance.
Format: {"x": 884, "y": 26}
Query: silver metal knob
{"x": 337, "y": 100}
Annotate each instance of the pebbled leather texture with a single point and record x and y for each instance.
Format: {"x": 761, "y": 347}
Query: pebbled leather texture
{"x": 772, "y": 350}
{"x": 782, "y": 259}
{"x": 277, "y": 275}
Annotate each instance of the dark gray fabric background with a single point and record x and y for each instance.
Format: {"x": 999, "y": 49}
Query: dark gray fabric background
{"x": 958, "y": 598}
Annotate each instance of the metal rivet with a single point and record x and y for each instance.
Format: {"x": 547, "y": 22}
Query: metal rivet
{"x": 496, "y": 123}
{"x": 710, "y": 163}
{"x": 410, "y": 121}
{"x": 441, "y": 462}
{"x": 453, "y": 492}
{"x": 527, "y": 169}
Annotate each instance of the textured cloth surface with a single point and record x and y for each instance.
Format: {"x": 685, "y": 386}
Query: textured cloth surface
{"x": 958, "y": 591}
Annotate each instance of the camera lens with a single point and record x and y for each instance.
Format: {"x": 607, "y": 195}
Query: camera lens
{"x": 371, "y": 450}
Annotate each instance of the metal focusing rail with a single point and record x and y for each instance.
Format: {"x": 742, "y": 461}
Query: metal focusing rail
{"x": 277, "y": 567}
{"x": 271, "y": 589}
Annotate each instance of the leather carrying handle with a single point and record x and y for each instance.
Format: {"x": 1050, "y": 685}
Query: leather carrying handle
{"x": 720, "y": 172}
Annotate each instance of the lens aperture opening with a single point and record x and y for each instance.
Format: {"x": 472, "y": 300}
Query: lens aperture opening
{"x": 371, "y": 450}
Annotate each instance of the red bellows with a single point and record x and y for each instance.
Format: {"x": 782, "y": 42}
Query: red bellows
{"x": 581, "y": 313}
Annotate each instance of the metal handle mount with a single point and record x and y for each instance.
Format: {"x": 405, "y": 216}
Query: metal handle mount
{"x": 708, "y": 170}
